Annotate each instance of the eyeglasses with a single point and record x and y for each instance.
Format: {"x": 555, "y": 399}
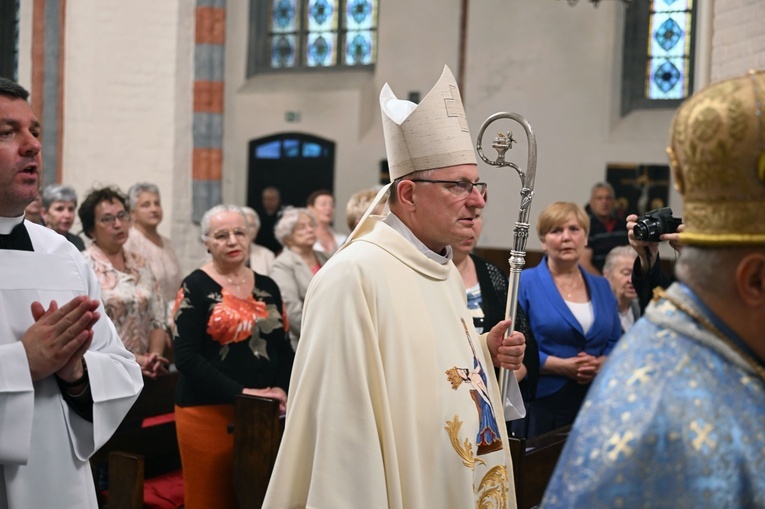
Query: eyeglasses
{"x": 461, "y": 188}
{"x": 223, "y": 235}
{"x": 123, "y": 216}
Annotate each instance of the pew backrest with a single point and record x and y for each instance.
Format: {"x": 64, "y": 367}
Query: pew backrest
{"x": 257, "y": 432}
{"x": 534, "y": 461}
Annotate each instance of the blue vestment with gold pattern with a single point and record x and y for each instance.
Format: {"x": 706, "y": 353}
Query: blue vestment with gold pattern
{"x": 676, "y": 418}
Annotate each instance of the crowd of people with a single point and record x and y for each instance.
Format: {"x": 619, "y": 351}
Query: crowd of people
{"x": 400, "y": 328}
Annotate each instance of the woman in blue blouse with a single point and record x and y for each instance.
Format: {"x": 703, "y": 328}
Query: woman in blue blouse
{"x": 574, "y": 318}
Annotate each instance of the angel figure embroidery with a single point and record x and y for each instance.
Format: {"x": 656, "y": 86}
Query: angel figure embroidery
{"x": 488, "y": 438}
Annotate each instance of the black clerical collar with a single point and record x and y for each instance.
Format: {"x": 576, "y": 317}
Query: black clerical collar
{"x": 17, "y": 238}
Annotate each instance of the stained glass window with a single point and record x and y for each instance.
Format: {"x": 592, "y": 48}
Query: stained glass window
{"x": 9, "y": 39}
{"x": 313, "y": 34}
{"x": 658, "y": 54}
{"x": 669, "y": 50}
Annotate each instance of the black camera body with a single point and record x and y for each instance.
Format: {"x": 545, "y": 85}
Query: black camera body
{"x": 655, "y": 223}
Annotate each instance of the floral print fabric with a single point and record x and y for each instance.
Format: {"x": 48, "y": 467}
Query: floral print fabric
{"x": 132, "y": 298}
{"x": 224, "y": 343}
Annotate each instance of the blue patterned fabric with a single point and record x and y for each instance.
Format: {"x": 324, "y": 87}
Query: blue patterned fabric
{"x": 676, "y": 418}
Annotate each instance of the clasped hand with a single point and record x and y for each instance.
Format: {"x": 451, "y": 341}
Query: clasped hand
{"x": 152, "y": 364}
{"x": 59, "y": 338}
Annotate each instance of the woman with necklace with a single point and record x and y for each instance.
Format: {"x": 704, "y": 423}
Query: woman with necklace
{"x": 573, "y": 316}
{"x": 229, "y": 338}
{"x": 128, "y": 289}
{"x": 144, "y": 239}
{"x": 296, "y": 265}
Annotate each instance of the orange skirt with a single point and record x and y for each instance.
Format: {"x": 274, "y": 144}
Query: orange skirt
{"x": 207, "y": 456}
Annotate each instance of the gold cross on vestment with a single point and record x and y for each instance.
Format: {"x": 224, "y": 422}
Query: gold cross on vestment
{"x": 702, "y": 435}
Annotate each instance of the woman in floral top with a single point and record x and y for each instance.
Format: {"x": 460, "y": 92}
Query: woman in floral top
{"x": 229, "y": 339}
{"x": 128, "y": 289}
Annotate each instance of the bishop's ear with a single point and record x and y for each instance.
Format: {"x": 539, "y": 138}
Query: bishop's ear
{"x": 750, "y": 277}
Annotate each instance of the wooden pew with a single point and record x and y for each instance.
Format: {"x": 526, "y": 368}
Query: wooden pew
{"x": 257, "y": 433}
{"x": 136, "y": 453}
{"x": 533, "y": 464}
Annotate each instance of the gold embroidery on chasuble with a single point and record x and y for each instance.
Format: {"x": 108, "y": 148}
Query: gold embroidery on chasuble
{"x": 492, "y": 490}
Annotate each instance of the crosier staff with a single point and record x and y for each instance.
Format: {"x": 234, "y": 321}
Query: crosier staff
{"x": 502, "y": 143}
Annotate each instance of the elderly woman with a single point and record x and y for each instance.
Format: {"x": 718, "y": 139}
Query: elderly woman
{"x": 144, "y": 239}
{"x": 322, "y": 205}
{"x": 618, "y": 271}
{"x": 229, "y": 339}
{"x": 128, "y": 288}
{"x": 573, "y": 317}
{"x": 261, "y": 258}
{"x": 296, "y": 265}
{"x": 486, "y": 287}
{"x": 59, "y": 204}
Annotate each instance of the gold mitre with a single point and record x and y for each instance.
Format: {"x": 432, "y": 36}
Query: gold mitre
{"x": 717, "y": 156}
{"x": 432, "y": 134}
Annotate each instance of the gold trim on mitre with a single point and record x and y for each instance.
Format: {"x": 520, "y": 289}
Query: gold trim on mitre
{"x": 717, "y": 142}
{"x": 429, "y": 135}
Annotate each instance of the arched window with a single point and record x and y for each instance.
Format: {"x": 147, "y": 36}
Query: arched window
{"x": 294, "y": 163}
{"x": 311, "y": 34}
{"x": 658, "y": 54}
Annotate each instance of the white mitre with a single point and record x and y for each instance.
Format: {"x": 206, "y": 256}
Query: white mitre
{"x": 432, "y": 134}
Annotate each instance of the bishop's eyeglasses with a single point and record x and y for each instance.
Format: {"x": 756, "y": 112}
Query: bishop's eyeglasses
{"x": 461, "y": 188}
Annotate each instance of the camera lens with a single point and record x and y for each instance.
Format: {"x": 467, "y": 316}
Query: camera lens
{"x": 641, "y": 232}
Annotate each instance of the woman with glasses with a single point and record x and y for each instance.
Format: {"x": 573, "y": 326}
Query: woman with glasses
{"x": 128, "y": 288}
{"x": 229, "y": 338}
{"x": 298, "y": 262}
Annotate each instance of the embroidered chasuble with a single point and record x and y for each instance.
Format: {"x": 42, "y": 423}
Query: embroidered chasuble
{"x": 398, "y": 407}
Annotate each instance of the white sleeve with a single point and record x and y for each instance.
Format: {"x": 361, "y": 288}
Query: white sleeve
{"x": 16, "y": 404}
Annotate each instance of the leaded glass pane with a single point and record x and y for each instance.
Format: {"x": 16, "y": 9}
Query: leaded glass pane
{"x": 283, "y": 51}
{"x": 270, "y": 150}
{"x": 667, "y": 78}
{"x": 284, "y": 16}
{"x": 361, "y": 15}
{"x": 291, "y": 148}
{"x": 672, "y": 5}
{"x": 320, "y": 49}
{"x": 669, "y": 47}
{"x": 321, "y": 33}
{"x": 311, "y": 149}
{"x": 322, "y": 15}
{"x": 360, "y": 47}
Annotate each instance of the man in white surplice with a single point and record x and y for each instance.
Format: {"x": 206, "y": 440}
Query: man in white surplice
{"x": 393, "y": 403}
{"x": 66, "y": 381}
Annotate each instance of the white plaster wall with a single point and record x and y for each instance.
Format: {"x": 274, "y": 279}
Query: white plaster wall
{"x": 739, "y": 37}
{"x": 557, "y": 65}
{"x": 128, "y": 84}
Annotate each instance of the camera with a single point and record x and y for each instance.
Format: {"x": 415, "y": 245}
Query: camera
{"x": 656, "y": 223}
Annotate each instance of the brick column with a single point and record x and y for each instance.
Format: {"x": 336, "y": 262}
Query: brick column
{"x": 207, "y": 163}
